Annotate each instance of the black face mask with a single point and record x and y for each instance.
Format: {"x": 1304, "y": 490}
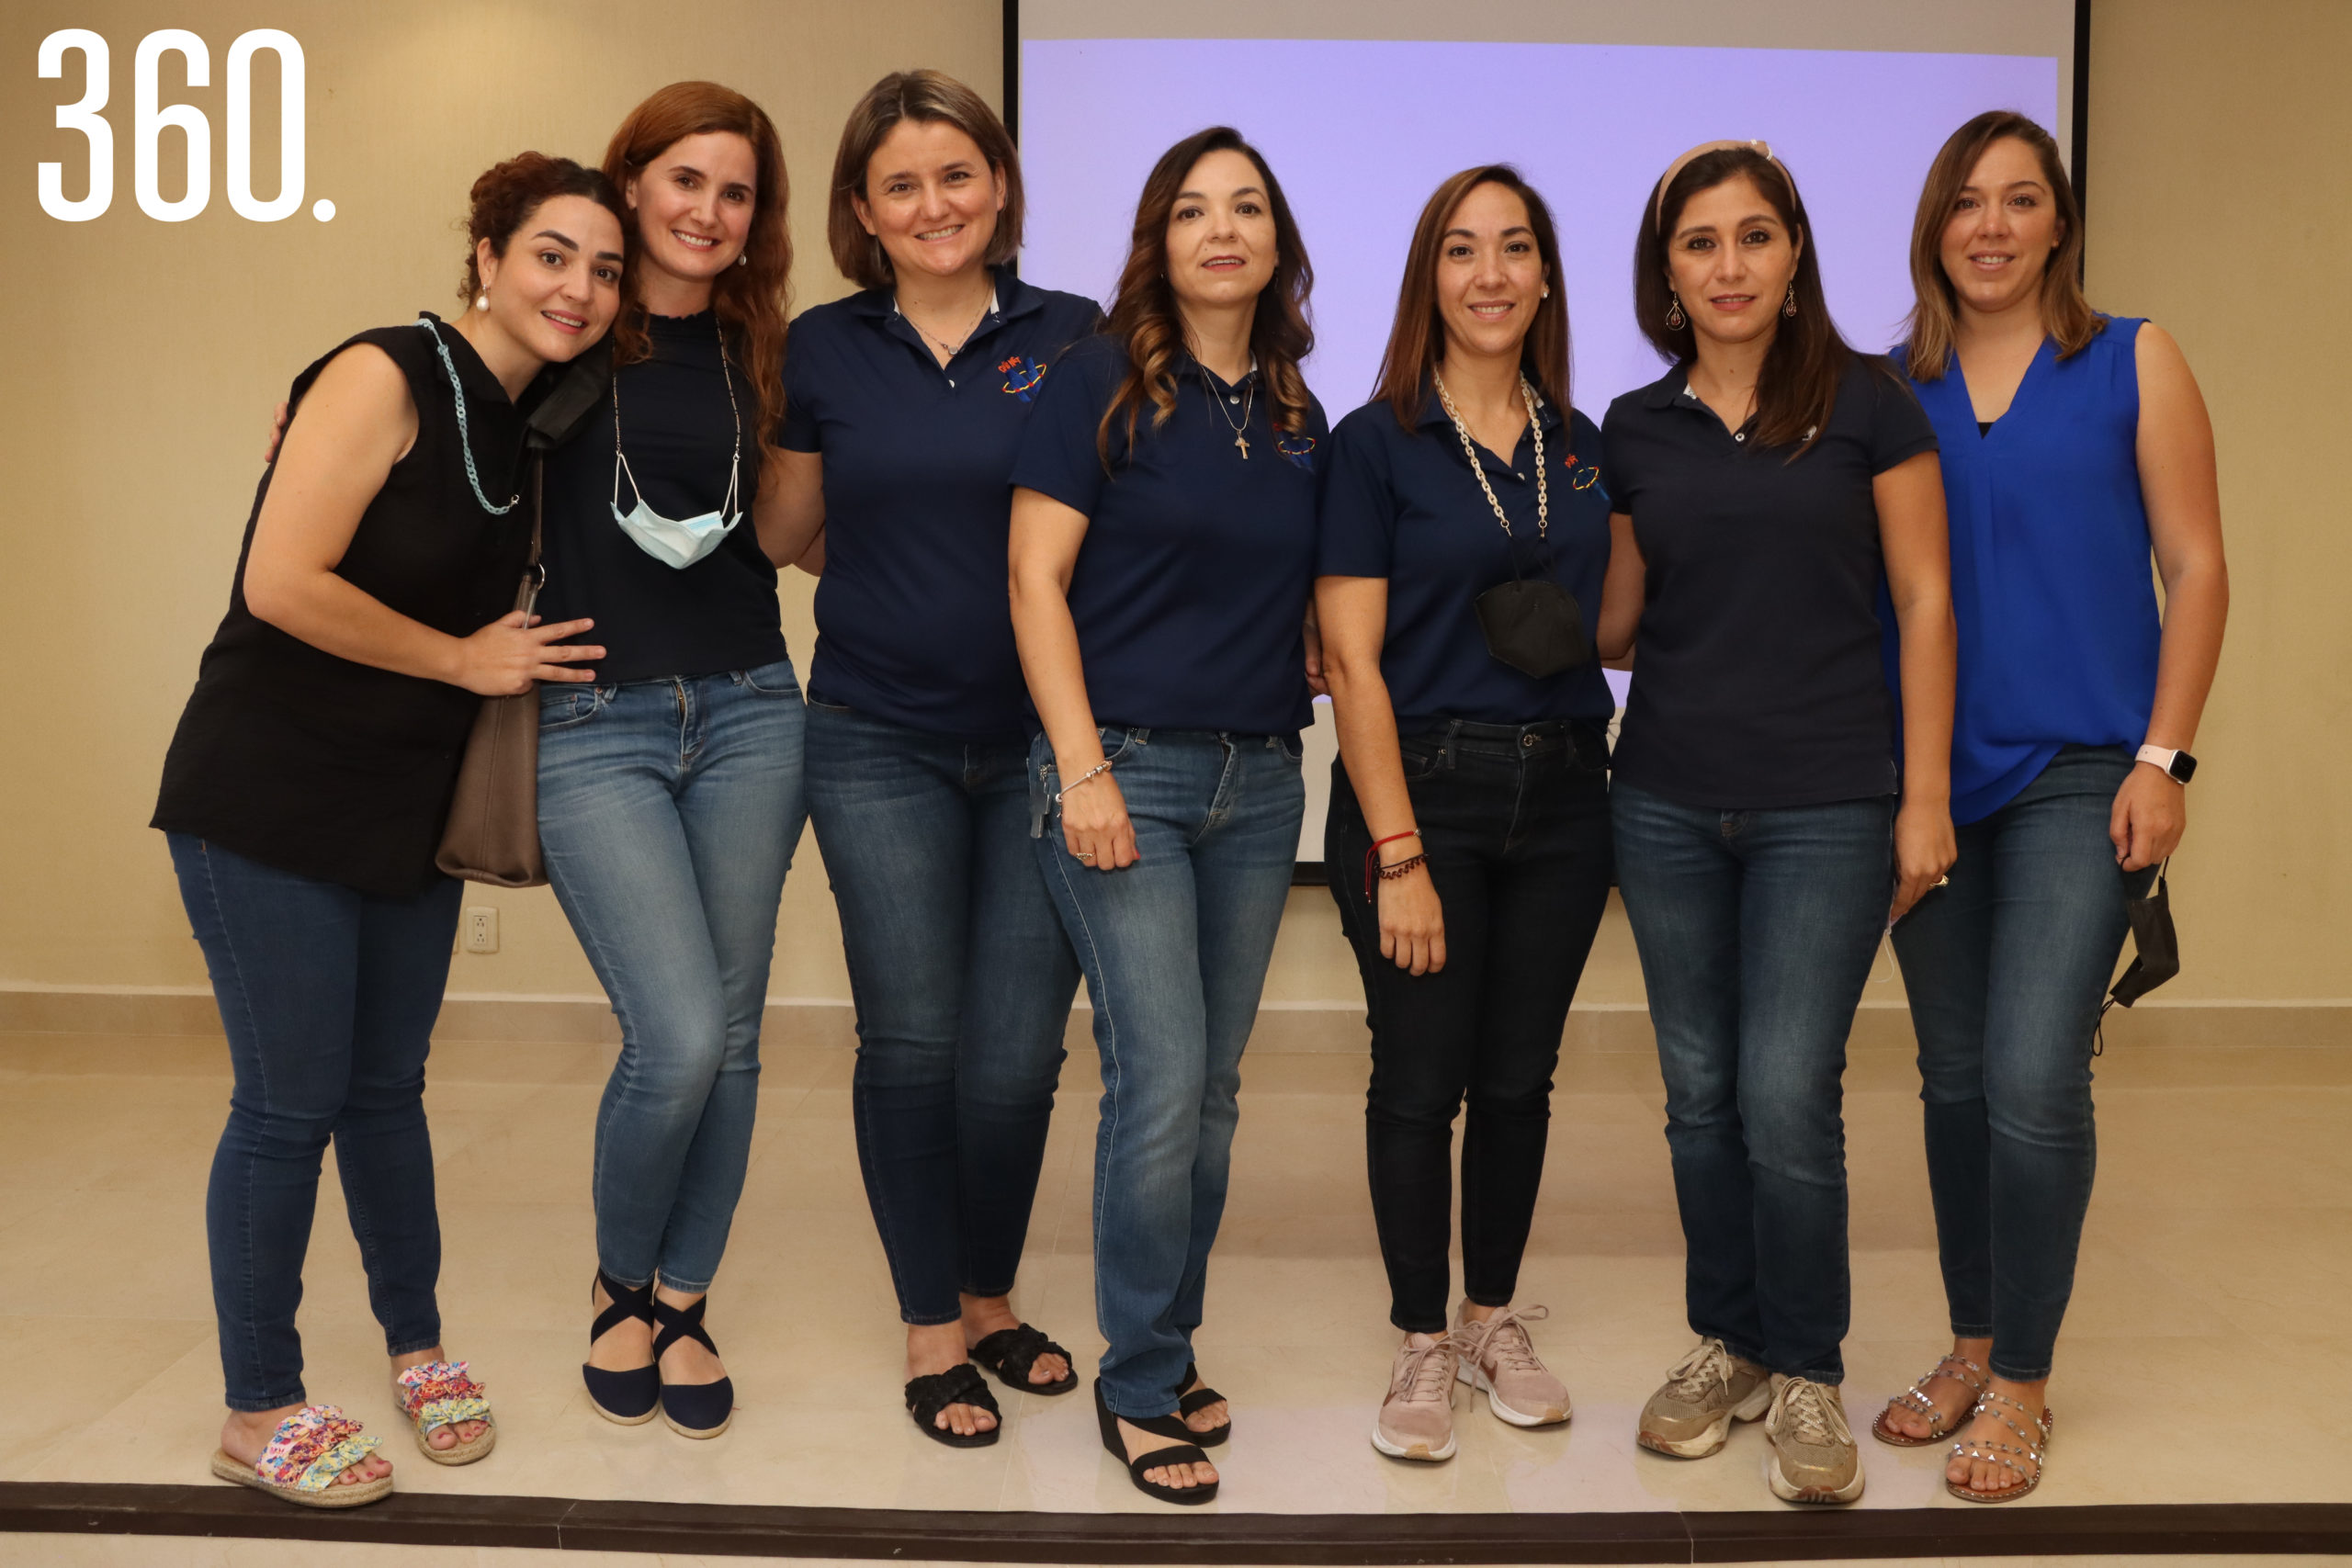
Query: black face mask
{"x": 1533, "y": 626}
{"x": 2158, "y": 958}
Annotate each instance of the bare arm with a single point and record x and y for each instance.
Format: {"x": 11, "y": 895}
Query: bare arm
{"x": 1917, "y": 549}
{"x": 1620, "y": 594}
{"x": 1353, "y": 612}
{"x": 790, "y": 510}
{"x": 1044, "y": 552}
{"x": 357, "y": 422}
{"x": 2182, "y": 491}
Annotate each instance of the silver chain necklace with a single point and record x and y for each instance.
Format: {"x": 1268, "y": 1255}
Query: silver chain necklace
{"x": 1470, "y": 450}
{"x": 950, "y": 349}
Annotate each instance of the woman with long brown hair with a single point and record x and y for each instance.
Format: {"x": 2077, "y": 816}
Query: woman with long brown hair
{"x": 2075, "y": 447}
{"x": 1464, "y": 535}
{"x": 1766, "y": 831}
{"x": 1162, "y": 552}
{"x": 670, "y": 797}
{"x": 905, "y": 405}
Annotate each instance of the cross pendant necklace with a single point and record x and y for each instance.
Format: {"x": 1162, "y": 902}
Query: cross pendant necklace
{"x": 1243, "y": 442}
{"x": 1250, "y": 402}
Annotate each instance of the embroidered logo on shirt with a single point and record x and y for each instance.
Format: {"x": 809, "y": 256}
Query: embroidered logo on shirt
{"x": 1579, "y": 480}
{"x": 1299, "y": 449}
{"x": 1022, "y": 376}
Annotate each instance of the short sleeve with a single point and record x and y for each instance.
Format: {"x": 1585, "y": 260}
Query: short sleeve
{"x": 1900, "y": 429}
{"x": 1357, "y": 536}
{"x": 1058, "y": 455}
{"x": 1618, "y": 475}
{"x": 799, "y": 430}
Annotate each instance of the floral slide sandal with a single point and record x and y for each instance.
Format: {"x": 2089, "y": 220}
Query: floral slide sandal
{"x": 309, "y": 1449}
{"x": 440, "y": 1394}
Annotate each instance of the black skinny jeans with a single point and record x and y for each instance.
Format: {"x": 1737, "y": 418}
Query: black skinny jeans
{"x": 1515, "y": 821}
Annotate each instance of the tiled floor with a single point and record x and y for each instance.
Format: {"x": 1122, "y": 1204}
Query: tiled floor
{"x": 2202, "y": 1361}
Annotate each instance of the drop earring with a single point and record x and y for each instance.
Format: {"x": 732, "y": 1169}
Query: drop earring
{"x": 744, "y": 259}
{"x": 1789, "y": 306}
{"x": 481, "y": 300}
{"x": 1675, "y": 319}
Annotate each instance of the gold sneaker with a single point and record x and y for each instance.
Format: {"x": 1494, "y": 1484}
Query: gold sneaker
{"x": 1690, "y": 1414}
{"x": 1811, "y": 1455}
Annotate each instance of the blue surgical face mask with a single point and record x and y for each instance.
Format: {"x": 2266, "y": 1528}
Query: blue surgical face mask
{"x": 674, "y": 542}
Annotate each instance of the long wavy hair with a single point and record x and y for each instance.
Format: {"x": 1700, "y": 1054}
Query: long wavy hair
{"x": 1417, "y": 340}
{"x": 1798, "y": 387}
{"x": 753, "y": 300}
{"x": 1143, "y": 312}
{"x": 2067, "y": 315}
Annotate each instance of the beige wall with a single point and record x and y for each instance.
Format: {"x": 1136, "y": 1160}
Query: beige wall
{"x": 142, "y": 359}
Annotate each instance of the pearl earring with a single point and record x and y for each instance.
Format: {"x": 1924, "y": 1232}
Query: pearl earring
{"x": 481, "y": 300}
{"x": 744, "y": 260}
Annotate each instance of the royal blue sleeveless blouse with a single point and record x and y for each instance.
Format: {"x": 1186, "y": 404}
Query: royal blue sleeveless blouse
{"x": 2051, "y": 579}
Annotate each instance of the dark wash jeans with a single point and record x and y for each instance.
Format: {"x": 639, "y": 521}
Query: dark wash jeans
{"x": 328, "y": 998}
{"x": 963, "y": 982}
{"x": 1515, "y": 821}
{"x": 1757, "y": 930}
{"x": 1175, "y": 949}
{"x": 2005, "y": 970}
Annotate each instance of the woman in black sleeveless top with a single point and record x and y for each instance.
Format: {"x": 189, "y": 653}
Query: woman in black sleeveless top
{"x": 305, "y": 791}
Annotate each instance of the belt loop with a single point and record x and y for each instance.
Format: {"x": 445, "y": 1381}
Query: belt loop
{"x": 1445, "y": 747}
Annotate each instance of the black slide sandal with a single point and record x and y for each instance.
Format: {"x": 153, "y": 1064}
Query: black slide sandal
{"x": 1201, "y": 1398}
{"x": 934, "y": 1392}
{"x": 690, "y": 1409}
{"x": 1011, "y": 1353}
{"x": 628, "y": 1397}
{"x": 1177, "y": 1453}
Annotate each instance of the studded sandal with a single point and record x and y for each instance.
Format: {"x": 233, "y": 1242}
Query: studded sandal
{"x": 442, "y": 1394}
{"x": 2030, "y": 1446}
{"x": 1916, "y": 1400}
{"x": 304, "y": 1456}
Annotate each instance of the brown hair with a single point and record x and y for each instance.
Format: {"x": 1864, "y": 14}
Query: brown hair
{"x": 1797, "y": 390}
{"x": 507, "y": 194}
{"x": 1143, "y": 314}
{"x": 1417, "y": 340}
{"x": 927, "y": 98}
{"x": 751, "y": 298}
{"x": 2065, "y": 314}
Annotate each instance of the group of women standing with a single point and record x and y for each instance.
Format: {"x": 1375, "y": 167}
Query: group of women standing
{"x": 1103, "y": 780}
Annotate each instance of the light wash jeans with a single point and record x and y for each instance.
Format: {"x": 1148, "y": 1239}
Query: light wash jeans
{"x": 1757, "y": 930}
{"x": 668, "y": 811}
{"x": 962, "y": 981}
{"x": 1175, "y": 949}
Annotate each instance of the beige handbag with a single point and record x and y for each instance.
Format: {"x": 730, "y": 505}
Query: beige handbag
{"x": 494, "y": 831}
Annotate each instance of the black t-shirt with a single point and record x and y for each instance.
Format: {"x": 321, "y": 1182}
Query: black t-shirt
{"x": 653, "y": 619}
{"x": 314, "y": 764}
{"x": 1757, "y": 683}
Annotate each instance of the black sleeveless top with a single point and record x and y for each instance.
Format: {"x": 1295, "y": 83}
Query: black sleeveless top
{"x": 295, "y": 758}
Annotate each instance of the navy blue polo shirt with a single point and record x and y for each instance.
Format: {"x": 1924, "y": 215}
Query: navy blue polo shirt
{"x": 1190, "y": 593}
{"x": 912, "y": 624}
{"x": 1757, "y": 681}
{"x": 1403, "y": 504}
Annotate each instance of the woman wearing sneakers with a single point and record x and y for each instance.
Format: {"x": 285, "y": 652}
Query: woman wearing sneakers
{"x": 1469, "y": 822}
{"x": 2073, "y": 446}
{"x": 1766, "y": 833}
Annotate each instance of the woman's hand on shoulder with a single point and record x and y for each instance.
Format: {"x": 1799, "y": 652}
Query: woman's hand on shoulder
{"x": 507, "y": 656}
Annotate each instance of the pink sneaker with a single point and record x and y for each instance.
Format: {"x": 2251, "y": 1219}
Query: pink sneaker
{"x": 1497, "y": 1356}
{"x": 1416, "y": 1418}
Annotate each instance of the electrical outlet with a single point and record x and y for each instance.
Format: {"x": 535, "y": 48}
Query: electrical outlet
{"x": 481, "y": 929}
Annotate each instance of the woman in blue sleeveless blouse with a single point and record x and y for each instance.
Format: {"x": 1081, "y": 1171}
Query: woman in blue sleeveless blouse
{"x": 2073, "y": 444}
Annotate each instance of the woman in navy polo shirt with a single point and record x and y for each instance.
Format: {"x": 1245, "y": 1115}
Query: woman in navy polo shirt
{"x": 2072, "y": 444}
{"x": 1760, "y": 493}
{"x": 904, "y": 404}
{"x": 1163, "y": 545}
{"x": 1468, "y": 838}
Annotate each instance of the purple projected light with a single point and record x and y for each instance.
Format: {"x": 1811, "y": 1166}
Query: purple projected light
{"x": 1360, "y": 133}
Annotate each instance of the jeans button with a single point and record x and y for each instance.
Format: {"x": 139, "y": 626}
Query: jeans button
{"x": 1528, "y": 742}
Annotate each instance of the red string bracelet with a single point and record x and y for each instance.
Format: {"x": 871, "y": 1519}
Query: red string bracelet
{"x": 1372, "y": 857}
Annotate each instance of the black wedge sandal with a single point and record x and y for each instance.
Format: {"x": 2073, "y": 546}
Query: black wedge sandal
{"x": 630, "y": 1395}
{"x": 690, "y": 1409}
{"x": 1012, "y": 1354}
{"x": 1181, "y": 1451}
{"x": 934, "y": 1392}
{"x": 1201, "y": 1398}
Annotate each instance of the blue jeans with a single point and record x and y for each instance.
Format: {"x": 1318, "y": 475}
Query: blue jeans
{"x": 327, "y": 996}
{"x": 1515, "y": 821}
{"x": 1175, "y": 949}
{"x": 2005, "y": 970}
{"x": 668, "y": 811}
{"x": 1757, "y": 930}
{"x": 962, "y": 981}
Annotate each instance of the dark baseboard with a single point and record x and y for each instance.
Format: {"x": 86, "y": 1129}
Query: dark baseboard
{"x": 417, "y": 1518}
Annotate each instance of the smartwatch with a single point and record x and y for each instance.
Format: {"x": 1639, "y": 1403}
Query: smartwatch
{"x": 2179, "y": 764}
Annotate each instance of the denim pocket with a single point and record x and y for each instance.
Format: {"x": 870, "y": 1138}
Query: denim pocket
{"x": 1421, "y": 759}
{"x": 774, "y": 680}
{"x": 561, "y": 706}
{"x": 1293, "y": 745}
